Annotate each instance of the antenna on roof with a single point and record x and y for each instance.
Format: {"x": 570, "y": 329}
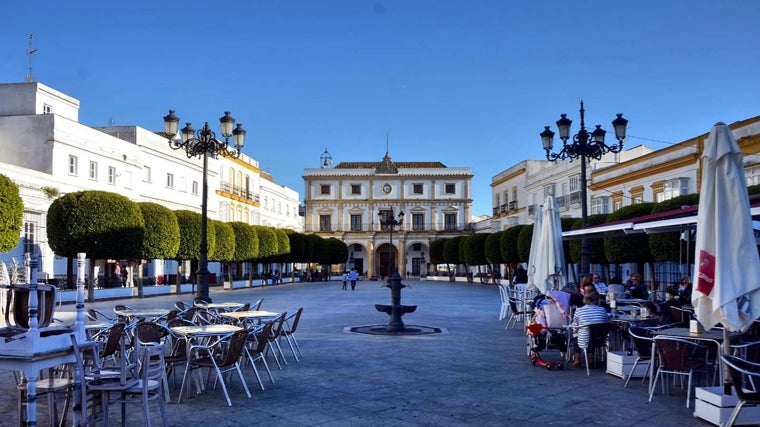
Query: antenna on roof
{"x": 30, "y": 52}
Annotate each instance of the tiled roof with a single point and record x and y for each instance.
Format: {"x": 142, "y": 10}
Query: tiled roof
{"x": 400, "y": 165}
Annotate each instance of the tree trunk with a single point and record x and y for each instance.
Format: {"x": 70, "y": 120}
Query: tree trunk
{"x": 91, "y": 282}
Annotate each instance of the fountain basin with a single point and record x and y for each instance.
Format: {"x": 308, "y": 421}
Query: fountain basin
{"x": 402, "y": 309}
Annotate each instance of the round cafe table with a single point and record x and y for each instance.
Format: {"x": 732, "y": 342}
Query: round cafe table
{"x": 220, "y": 305}
{"x": 142, "y": 313}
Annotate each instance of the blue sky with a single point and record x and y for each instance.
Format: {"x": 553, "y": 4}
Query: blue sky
{"x": 467, "y": 83}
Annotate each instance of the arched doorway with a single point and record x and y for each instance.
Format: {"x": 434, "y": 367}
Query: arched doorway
{"x": 386, "y": 258}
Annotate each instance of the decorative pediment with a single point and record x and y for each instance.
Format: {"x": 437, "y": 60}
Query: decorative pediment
{"x": 386, "y": 166}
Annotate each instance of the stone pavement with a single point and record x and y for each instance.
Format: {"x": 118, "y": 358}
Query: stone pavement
{"x": 477, "y": 373}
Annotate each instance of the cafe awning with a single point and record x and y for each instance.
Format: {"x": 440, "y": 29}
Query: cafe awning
{"x": 663, "y": 222}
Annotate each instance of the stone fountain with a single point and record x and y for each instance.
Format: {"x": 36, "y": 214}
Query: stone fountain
{"x": 395, "y": 310}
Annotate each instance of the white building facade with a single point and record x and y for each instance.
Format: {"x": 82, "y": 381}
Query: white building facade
{"x": 636, "y": 175}
{"x": 48, "y": 153}
{"x": 345, "y": 202}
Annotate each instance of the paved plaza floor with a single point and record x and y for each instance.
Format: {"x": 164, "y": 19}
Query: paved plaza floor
{"x": 475, "y": 373}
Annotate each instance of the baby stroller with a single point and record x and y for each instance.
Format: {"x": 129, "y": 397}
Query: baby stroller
{"x": 548, "y": 329}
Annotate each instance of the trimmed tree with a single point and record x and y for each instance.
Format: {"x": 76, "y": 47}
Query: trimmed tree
{"x": 475, "y": 251}
{"x": 452, "y": 254}
{"x": 524, "y": 241}
{"x": 297, "y": 242}
{"x": 315, "y": 247}
{"x": 161, "y": 238}
{"x": 246, "y": 245}
{"x": 224, "y": 250}
{"x": 11, "y": 215}
{"x": 436, "y": 252}
{"x": 508, "y": 246}
{"x": 595, "y": 246}
{"x": 283, "y": 245}
{"x": 632, "y": 248}
{"x": 336, "y": 251}
{"x": 190, "y": 239}
{"x": 665, "y": 247}
{"x": 493, "y": 251}
{"x": 101, "y": 224}
{"x": 268, "y": 245}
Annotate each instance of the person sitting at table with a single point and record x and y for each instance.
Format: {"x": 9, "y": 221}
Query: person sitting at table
{"x": 617, "y": 290}
{"x": 600, "y": 286}
{"x": 680, "y": 294}
{"x": 635, "y": 289}
{"x": 588, "y": 287}
{"x": 576, "y": 295}
{"x": 590, "y": 313}
{"x": 520, "y": 276}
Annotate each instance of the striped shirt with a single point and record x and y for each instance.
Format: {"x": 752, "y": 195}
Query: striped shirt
{"x": 588, "y": 314}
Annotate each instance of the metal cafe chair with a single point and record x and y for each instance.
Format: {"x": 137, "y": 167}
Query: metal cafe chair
{"x": 678, "y": 357}
{"x": 274, "y": 344}
{"x": 98, "y": 381}
{"x": 222, "y": 356}
{"x": 598, "y": 333}
{"x": 642, "y": 342}
{"x": 517, "y": 314}
{"x": 745, "y": 376}
{"x": 289, "y": 332}
{"x": 150, "y": 385}
{"x": 256, "y": 347}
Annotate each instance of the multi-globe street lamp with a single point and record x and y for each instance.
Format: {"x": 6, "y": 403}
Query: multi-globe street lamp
{"x": 202, "y": 143}
{"x": 388, "y": 221}
{"x": 584, "y": 145}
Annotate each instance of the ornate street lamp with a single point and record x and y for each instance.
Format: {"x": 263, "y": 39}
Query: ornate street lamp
{"x": 203, "y": 143}
{"x": 388, "y": 221}
{"x": 585, "y": 145}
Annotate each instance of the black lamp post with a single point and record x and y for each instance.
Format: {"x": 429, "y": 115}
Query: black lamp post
{"x": 387, "y": 220}
{"x": 203, "y": 143}
{"x": 584, "y": 145}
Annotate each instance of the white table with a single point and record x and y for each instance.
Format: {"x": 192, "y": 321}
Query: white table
{"x": 191, "y": 333}
{"x": 250, "y": 315}
{"x": 205, "y": 330}
{"x": 142, "y": 313}
{"x": 220, "y": 305}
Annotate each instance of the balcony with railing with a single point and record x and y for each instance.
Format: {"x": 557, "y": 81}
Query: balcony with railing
{"x": 561, "y": 201}
{"x": 575, "y": 198}
{"x": 238, "y": 191}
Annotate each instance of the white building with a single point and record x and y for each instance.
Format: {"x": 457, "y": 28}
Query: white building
{"x": 48, "y": 153}
{"x": 636, "y": 175}
{"x": 345, "y": 202}
{"x": 519, "y": 191}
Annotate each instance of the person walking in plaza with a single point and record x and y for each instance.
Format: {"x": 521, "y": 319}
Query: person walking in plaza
{"x": 345, "y": 279}
{"x": 353, "y": 276}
